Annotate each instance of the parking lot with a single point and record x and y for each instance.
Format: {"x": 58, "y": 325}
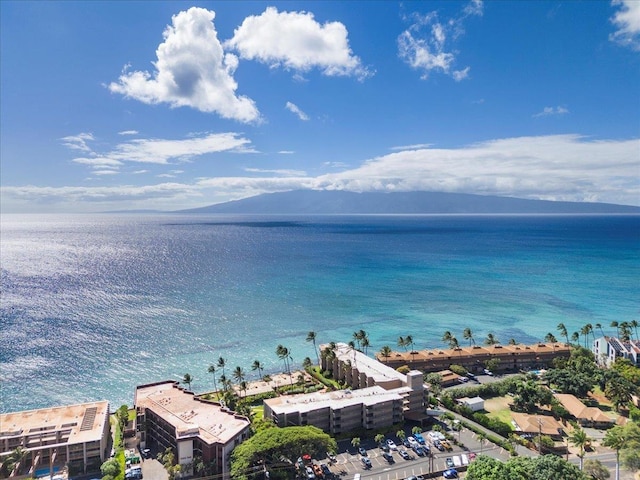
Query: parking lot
{"x": 349, "y": 462}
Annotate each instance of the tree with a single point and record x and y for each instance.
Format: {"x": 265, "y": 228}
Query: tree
{"x": 596, "y": 469}
{"x": 283, "y": 354}
{"x": 616, "y": 325}
{"x": 110, "y": 468}
{"x": 562, "y": 329}
{"x": 307, "y": 363}
{"x": 446, "y": 337}
{"x": 481, "y": 438}
{"x": 416, "y": 429}
{"x": 491, "y": 339}
{"x": 385, "y": 352}
{"x": 402, "y": 342}
{"x": 311, "y": 337}
{"x": 615, "y": 439}
{"x": 618, "y": 389}
{"x": 579, "y": 438}
{"x": 221, "y": 364}
{"x": 575, "y": 336}
{"x": 544, "y": 467}
{"x": 468, "y": 335}
{"x": 401, "y": 435}
{"x": 256, "y": 365}
{"x": 269, "y": 445}
{"x": 492, "y": 364}
{"x": 212, "y": 371}
{"x": 550, "y": 338}
{"x": 238, "y": 374}
{"x": 434, "y": 380}
{"x": 187, "y": 380}
{"x": 355, "y": 442}
{"x": 599, "y": 327}
{"x": 635, "y": 325}
{"x": 365, "y": 344}
{"x": 379, "y": 438}
{"x": 167, "y": 458}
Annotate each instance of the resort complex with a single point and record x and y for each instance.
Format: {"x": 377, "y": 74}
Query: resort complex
{"x": 168, "y": 416}
{"x": 376, "y": 396}
{"x": 388, "y": 400}
{"x": 473, "y": 358}
{"x": 73, "y": 438}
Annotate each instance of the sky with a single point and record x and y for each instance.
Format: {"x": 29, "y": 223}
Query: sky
{"x": 169, "y": 105}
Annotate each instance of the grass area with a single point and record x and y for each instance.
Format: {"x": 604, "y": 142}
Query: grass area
{"x": 498, "y": 408}
{"x": 258, "y": 412}
{"x": 316, "y": 372}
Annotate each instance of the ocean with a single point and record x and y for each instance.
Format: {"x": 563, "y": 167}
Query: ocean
{"x": 91, "y": 306}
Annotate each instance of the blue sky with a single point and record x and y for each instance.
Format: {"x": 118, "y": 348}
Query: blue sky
{"x": 168, "y": 105}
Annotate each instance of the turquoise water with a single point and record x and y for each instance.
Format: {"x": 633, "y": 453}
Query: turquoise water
{"x": 92, "y": 306}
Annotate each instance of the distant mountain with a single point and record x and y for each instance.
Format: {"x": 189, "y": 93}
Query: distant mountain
{"x": 301, "y": 202}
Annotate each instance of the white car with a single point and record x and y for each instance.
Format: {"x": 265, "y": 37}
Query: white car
{"x": 412, "y": 441}
{"x": 392, "y": 445}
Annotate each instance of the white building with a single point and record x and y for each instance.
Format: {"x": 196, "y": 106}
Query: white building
{"x": 607, "y": 349}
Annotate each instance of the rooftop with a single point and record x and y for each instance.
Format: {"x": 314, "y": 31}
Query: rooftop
{"x": 189, "y": 415}
{"x": 84, "y": 422}
{"x": 378, "y": 371}
{"x": 306, "y": 402}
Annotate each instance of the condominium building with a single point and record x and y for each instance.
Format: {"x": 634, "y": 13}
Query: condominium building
{"x": 377, "y": 397}
{"x": 75, "y": 437}
{"x": 473, "y": 358}
{"x": 169, "y": 416}
{"x": 607, "y": 349}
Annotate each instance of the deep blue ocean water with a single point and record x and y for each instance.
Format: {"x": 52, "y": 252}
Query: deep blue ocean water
{"x": 91, "y": 306}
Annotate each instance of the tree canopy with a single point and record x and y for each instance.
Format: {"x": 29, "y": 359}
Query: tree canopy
{"x": 270, "y": 444}
{"x": 522, "y": 468}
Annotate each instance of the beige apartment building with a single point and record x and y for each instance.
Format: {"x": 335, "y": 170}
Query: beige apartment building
{"x": 378, "y": 396}
{"x": 169, "y": 416}
{"x": 75, "y": 437}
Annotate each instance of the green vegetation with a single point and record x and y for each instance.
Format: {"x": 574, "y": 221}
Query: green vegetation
{"x": 522, "y": 468}
{"x": 270, "y": 447}
{"x": 168, "y": 459}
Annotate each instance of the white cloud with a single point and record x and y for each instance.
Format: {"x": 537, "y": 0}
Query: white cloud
{"x": 192, "y": 70}
{"x": 282, "y": 172}
{"x": 415, "y": 146}
{"x": 128, "y": 132}
{"x": 138, "y": 172}
{"x": 627, "y": 21}
{"x": 162, "y": 151}
{"x": 105, "y": 172}
{"x": 296, "y": 41}
{"x": 294, "y": 109}
{"x": 547, "y": 111}
{"x": 286, "y": 152}
{"x": 78, "y": 142}
{"x": 427, "y": 45}
{"x": 556, "y": 167}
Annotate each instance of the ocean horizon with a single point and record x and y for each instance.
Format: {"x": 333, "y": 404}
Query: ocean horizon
{"x": 93, "y": 305}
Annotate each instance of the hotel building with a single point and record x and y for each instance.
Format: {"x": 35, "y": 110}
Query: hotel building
{"x": 169, "y": 416}
{"x": 75, "y": 436}
{"x": 607, "y": 349}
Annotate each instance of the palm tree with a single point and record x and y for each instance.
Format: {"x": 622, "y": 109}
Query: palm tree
{"x": 222, "y": 363}
{"x": 575, "y": 336}
{"x": 635, "y": 325}
{"x": 491, "y": 339}
{"x": 311, "y": 337}
{"x": 625, "y": 331}
{"x": 409, "y": 340}
{"x": 446, "y": 338}
{"x": 385, "y": 352}
{"x": 238, "y": 374}
{"x": 416, "y": 429}
{"x": 402, "y": 342}
{"x": 453, "y": 343}
{"x": 512, "y": 341}
{"x": 468, "y": 335}
{"x": 599, "y": 327}
{"x": 378, "y": 438}
{"x": 580, "y": 439}
{"x": 243, "y": 387}
{"x": 257, "y": 366}
{"x": 481, "y": 438}
{"x": 355, "y": 442}
{"x": 401, "y": 435}
{"x": 616, "y": 325}
{"x": 365, "y": 344}
{"x": 563, "y": 331}
{"x": 187, "y": 379}
{"x": 550, "y": 338}
{"x": 615, "y": 438}
{"x": 212, "y": 370}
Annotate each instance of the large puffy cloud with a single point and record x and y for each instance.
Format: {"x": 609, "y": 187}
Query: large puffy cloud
{"x": 627, "y": 21}
{"x": 427, "y": 44}
{"x": 556, "y": 167}
{"x": 298, "y": 42}
{"x": 192, "y": 70}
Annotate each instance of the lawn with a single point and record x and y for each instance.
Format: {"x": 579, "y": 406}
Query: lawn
{"x": 498, "y": 408}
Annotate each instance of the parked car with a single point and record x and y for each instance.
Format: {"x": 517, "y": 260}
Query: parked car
{"x": 449, "y": 462}
{"x": 146, "y": 453}
{"x": 438, "y": 445}
{"x": 325, "y": 469}
{"x": 384, "y": 447}
{"x": 488, "y": 372}
{"x": 365, "y": 462}
{"x": 362, "y": 451}
{"x": 451, "y": 473}
{"x": 420, "y": 451}
{"x": 388, "y": 457}
{"x": 392, "y": 444}
{"x": 404, "y": 454}
{"x": 419, "y": 438}
{"x": 310, "y": 474}
{"x": 446, "y": 445}
{"x": 332, "y": 457}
